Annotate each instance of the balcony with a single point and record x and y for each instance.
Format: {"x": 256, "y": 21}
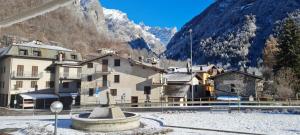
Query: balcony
{"x": 25, "y": 75}
{"x": 70, "y": 77}
{"x": 99, "y": 71}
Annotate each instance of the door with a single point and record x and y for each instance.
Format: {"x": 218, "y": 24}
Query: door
{"x": 20, "y": 70}
{"x": 134, "y": 100}
{"x": 104, "y": 65}
{"x": 104, "y": 81}
{"x": 35, "y": 71}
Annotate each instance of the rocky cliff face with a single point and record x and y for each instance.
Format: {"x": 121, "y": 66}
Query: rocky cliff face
{"x": 139, "y": 36}
{"x": 231, "y": 32}
{"x": 79, "y": 26}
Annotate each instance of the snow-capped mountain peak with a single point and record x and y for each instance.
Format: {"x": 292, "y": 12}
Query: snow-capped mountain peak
{"x": 139, "y": 36}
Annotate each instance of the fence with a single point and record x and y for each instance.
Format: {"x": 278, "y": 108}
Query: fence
{"x": 207, "y": 102}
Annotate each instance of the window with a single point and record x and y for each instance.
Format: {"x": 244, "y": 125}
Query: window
{"x": 47, "y": 84}
{"x": 113, "y": 92}
{"x": 91, "y": 91}
{"x": 33, "y": 84}
{"x": 117, "y": 62}
{"x": 3, "y": 83}
{"x": 147, "y": 90}
{"x": 3, "y": 69}
{"x": 65, "y": 84}
{"x": 20, "y": 70}
{"x": 35, "y": 70}
{"x": 90, "y": 65}
{"x": 74, "y": 57}
{"x": 104, "y": 80}
{"x": 117, "y": 78}
{"x": 36, "y": 53}
{"x": 19, "y": 84}
{"x": 232, "y": 87}
{"x": 23, "y": 52}
{"x": 90, "y": 78}
{"x": 78, "y": 84}
{"x": 105, "y": 65}
{"x": 50, "y": 84}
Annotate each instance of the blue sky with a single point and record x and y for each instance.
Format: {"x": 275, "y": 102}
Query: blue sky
{"x": 163, "y": 13}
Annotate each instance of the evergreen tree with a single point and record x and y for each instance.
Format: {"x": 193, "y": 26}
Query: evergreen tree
{"x": 289, "y": 47}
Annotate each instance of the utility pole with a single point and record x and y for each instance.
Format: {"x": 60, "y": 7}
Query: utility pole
{"x": 191, "y": 41}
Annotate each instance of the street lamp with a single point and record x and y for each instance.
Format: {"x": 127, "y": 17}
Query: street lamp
{"x": 56, "y": 107}
{"x": 191, "y": 41}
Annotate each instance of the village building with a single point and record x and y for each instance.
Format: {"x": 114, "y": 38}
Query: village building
{"x": 238, "y": 83}
{"x": 202, "y": 73}
{"x": 127, "y": 80}
{"x": 33, "y": 74}
{"x": 179, "y": 85}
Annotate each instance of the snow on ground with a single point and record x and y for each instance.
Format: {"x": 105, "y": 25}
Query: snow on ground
{"x": 44, "y": 125}
{"x": 255, "y": 122}
{"x": 252, "y": 122}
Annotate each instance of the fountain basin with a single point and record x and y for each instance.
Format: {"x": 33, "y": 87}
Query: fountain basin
{"x": 82, "y": 122}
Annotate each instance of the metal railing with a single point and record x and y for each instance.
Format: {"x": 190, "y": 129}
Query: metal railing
{"x": 207, "y": 102}
{"x": 25, "y": 75}
{"x": 159, "y": 82}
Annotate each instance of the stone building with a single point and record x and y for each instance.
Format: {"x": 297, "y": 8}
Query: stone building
{"x": 33, "y": 74}
{"x": 237, "y": 83}
{"x": 205, "y": 87}
{"x": 179, "y": 85}
{"x": 127, "y": 80}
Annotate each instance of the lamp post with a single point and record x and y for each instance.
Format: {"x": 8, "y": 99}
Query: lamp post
{"x": 191, "y": 41}
{"x": 56, "y": 107}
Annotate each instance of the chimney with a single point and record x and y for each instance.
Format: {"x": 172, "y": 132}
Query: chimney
{"x": 154, "y": 61}
{"x": 188, "y": 67}
{"x": 60, "y": 56}
{"x": 141, "y": 59}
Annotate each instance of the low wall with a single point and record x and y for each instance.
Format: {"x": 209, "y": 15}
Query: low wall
{"x": 106, "y": 125}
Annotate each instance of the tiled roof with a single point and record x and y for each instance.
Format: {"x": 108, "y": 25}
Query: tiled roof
{"x": 178, "y": 77}
{"x": 197, "y": 68}
{"x": 135, "y": 62}
{"x": 238, "y": 72}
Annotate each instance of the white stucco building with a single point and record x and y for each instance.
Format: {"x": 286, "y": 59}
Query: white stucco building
{"x": 33, "y": 74}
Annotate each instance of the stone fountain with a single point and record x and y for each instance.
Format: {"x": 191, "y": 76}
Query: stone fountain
{"x": 106, "y": 119}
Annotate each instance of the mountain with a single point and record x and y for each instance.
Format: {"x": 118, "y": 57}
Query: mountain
{"x": 80, "y": 26}
{"x": 139, "y": 36}
{"x": 231, "y": 32}
{"x": 163, "y": 34}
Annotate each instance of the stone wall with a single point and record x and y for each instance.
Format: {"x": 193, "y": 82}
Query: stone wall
{"x": 241, "y": 84}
